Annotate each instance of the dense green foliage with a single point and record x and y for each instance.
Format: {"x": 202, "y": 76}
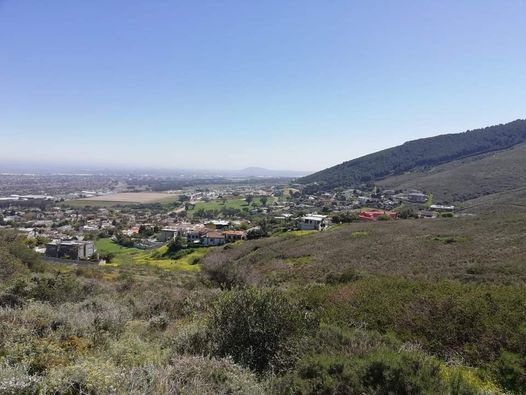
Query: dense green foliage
{"x": 418, "y": 154}
{"x": 257, "y": 328}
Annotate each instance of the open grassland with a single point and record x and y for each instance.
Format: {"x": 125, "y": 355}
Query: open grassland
{"x": 219, "y": 204}
{"x": 134, "y": 256}
{"x": 125, "y": 199}
{"x": 507, "y": 203}
{"x": 472, "y": 248}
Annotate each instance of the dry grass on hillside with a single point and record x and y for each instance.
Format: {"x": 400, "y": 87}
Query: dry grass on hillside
{"x": 478, "y": 248}
{"x": 468, "y": 178}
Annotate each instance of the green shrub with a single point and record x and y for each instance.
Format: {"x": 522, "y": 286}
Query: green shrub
{"x": 383, "y": 372}
{"x": 511, "y": 371}
{"x": 132, "y": 351}
{"x": 88, "y": 376}
{"x": 257, "y": 328}
{"x": 223, "y": 273}
{"x": 476, "y": 321}
{"x": 402, "y": 373}
{"x": 48, "y": 287}
{"x": 348, "y": 275}
{"x": 407, "y": 212}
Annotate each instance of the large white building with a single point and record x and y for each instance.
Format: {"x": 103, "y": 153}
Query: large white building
{"x": 313, "y": 222}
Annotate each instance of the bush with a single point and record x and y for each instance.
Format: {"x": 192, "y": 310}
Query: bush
{"x": 47, "y": 287}
{"x": 348, "y": 275}
{"x": 511, "y": 370}
{"x": 447, "y": 318}
{"x": 191, "y": 375}
{"x": 15, "y": 380}
{"x": 133, "y": 351}
{"x": 407, "y": 212}
{"x": 107, "y": 256}
{"x": 257, "y": 328}
{"x": 383, "y": 372}
{"x": 15, "y": 257}
{"x": 88, "y": 376}
{"x": 223, "y": 273}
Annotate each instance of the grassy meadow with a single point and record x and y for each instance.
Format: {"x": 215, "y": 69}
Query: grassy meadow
{"x": 231, "y": 203}
{"x": 136, "y": 256}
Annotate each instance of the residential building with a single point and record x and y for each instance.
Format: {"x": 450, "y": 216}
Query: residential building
{"x": 70, "y": 249}
{"x": 313, "y": 222}
{"x": 417, "y": 197}
{"x": 220, "y": 224}
{"x": 440, "y": 207}
{"x": 234, "y": 235}
{"x": 168, "y": 234}
{"x": 373, "y": 215}
{"x": 213, "y": 239}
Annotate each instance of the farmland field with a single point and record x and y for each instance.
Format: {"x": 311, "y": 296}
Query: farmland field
{"x": 125, "y": 198}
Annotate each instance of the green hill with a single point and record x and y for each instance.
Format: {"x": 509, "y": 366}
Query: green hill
{"x": 418, "y": 155}
{"x": 468, "y": 178}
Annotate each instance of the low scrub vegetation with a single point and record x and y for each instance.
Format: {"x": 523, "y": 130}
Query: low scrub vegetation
{"x": 257, "y": 319}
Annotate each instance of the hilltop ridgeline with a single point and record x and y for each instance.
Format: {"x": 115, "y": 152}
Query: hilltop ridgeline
{"x": 418, "y": 154}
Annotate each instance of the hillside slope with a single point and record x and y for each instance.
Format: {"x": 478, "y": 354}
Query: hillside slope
{"x": 471, "y": 248}
{"x": 419, "y": 154}
{"x": 468, "y": 178}
{"x": 512, "y": 201}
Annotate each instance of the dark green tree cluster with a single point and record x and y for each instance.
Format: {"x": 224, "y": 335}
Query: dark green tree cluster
{"x": 417, "y": 154}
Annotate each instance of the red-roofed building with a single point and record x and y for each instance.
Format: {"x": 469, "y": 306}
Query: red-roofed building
{"x": 233, "y": 235}
{"x": 373, "y": 215}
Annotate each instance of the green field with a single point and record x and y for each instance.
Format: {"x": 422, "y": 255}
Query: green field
{"x": 130, "y": 256}
{"x": 218, "y": 204}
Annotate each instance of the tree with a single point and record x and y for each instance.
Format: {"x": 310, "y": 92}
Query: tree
{"x": 406, "y": 212}
{"x": 175, "y": 245}
{"x": 263, "y": 200}
{"x": 183, "y": 198}
{"x": 249, "y": 199}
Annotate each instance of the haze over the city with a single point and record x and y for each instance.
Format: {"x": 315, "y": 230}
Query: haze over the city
{"x": 299, "y": 85}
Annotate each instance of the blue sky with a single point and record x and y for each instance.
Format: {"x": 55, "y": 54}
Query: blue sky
{"x": 229, "y": 84}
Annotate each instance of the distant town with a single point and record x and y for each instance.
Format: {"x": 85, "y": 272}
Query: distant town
{"x": 69, "y": 217}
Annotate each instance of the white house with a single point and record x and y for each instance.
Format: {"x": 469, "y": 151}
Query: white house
{"x": 313, "y": 222}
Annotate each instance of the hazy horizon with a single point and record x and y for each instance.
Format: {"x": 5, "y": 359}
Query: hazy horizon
{"x": 297, "y": 86}
{"x": 46, "y": 166}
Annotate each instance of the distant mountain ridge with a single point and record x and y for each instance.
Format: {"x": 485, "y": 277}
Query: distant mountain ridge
{"x": 418, "y": 154}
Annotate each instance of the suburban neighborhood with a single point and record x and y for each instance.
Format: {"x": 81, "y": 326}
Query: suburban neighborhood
{"x": 69, "y": 225}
